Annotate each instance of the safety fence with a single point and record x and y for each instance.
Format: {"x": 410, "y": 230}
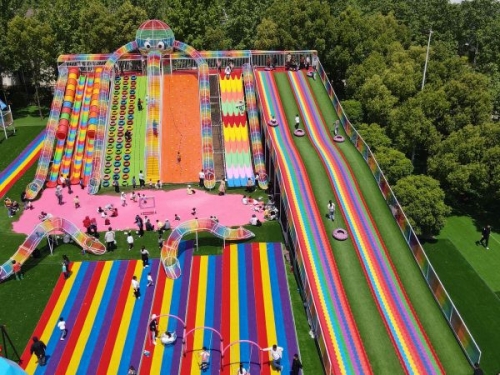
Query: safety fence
{"x": 457, "y": 324}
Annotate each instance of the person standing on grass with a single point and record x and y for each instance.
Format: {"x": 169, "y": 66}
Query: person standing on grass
{"x": 134, "y": 182}
{"x": 486, "y": 237}
{"x": 110, "y": 238}
{"x": 62, "y": 326}
{"x": 38, "y": 348}
{"x": 136, "y": 288}
{"x": 16, "y": 268}
{"x": 477, "y": 370}
{"x": 130, "y": 241}
{"x": 144, "y": 257}
{"x": 296, "y": 365}
{"x": 331, "y": 210}
{"x": 65, "y": 271}
{"x": 297, "y": 121}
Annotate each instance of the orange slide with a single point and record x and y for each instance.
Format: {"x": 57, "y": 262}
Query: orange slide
{"x": 181, "y": 132}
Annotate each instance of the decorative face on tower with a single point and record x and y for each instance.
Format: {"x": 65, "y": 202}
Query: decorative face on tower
{"x": 155, "y": 35}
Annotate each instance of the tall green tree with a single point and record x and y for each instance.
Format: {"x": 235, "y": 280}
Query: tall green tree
{"x": 393, "y": 163}
{"x": 422, "y": 200}
{"x": 30, "y": 48}
{"x": 374, "y": 136}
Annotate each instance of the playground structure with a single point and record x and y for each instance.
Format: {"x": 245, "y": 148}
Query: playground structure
{"x": 169, "y": 251}
{"x": 6, "y": 119}
{"x": 339, "y": 341}
{"x": 45, "y": 229}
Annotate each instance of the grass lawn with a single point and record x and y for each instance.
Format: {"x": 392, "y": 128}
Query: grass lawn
{"x": 427, "y": 310}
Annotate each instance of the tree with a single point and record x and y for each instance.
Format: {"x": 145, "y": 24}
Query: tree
{"x": 29, "y": 46}
{"x": 354, "y": 110}
{"x": 374, "y": 136}
{"x": 393, "y": 163}
{"x": 267, "y": 35}
{"x": 377, "y": 100}
{"x": 422, "y": 200}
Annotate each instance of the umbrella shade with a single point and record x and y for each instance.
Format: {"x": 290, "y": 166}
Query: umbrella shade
{"x": 7, "y": 367}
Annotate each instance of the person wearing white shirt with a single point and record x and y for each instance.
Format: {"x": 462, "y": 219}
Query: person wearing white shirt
{"x": 205, "y": 358}
{"x": 201, "y": 176}
{"x": 136, "y": 287}
{"x": 109, "y": 238}
{"x": 255, "y": 221}
{"x": 276, "y": 355}
{"x": 297, "y": 121}
{"x": 130, "y": 241}
{"x": 62, "y": 326}
{"x": 331, "y": 210}
{"x": 242, "y": 370}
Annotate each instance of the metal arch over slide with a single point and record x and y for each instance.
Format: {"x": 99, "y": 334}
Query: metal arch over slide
{"x": 42, "y": 230}
{"x": 251, "y": 343}
{"x": 169, "y": 249}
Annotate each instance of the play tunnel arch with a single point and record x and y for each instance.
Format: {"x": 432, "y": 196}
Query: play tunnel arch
{"x": 43, "y": 230}
{"x": 169, "y": 250}
{"x": 252, "y": 344}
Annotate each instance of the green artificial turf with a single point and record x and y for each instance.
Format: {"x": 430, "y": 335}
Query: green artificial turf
{"x": 370, "y": 325}
{"x": 477, "y": 303}
{"x": 30, "y": 116}
{"x": 137, "y": 161}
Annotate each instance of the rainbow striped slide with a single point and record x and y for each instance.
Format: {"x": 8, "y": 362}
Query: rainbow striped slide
{"x": 42, "y": 230}
{"x": 42, "y": 170}
{"x": 254, "y": 125}
{"x": 77, "y": 160}
{"x": 345, "y": 353}
{"x": 21, "y": 164}
{"x": 73, "y": 126}
{"x": 235, "y": 130}
{"x": 410, "y": 340}
{"x": 62, "y": 128}
{"x": 154, "y": 117}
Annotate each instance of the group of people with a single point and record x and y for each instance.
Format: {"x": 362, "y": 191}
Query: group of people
{"x": 11, "y": 206}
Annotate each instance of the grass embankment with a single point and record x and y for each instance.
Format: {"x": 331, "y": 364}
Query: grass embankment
{"x": 428, "y": 312}
{"x": 470, "y": 275}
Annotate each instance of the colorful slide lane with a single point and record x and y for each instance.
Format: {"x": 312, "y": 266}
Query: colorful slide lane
{"x": 410, "y": 340}
{"x": 44, "y": 229}
{"x": 42, "y": 170}
{"x": 77, "y": 160}
{"x": 21, "y": 164}
{"x": 235, "y": 130}
{"x": 181, "y": 141}
{"x": 346, "y": 353}
{"x": 108, "y": 328}
{"x": 254, "y": 125}
{"x": 73, "y": 126}
{"x": 153, "y": 164}
{"x": 138, "y": 146}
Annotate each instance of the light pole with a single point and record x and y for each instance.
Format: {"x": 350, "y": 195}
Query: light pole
{"x": 426, "y": 59}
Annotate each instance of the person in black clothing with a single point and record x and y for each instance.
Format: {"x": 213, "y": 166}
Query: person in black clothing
{"x": 139, "y": 104}
{"x": 486, "y": 237}
{"x": 38, "y": 348}
{"x": 153, "y": 328}
{"x": 477, "y": 370}
{"x": 296, "y": 365}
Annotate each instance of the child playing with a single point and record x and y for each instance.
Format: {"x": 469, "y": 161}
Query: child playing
{"x": 150, "y": 280}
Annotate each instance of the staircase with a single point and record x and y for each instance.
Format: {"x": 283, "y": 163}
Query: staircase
{"x": 219, "y": 164}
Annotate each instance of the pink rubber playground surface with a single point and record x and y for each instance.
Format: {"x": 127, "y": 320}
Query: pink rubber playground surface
{"x": 228, "y": 208}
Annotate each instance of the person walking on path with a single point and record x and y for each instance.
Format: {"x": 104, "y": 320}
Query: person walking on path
{"x": 38, "y": 348}
{"x": 62, "y": 326}
{"x": 136, "y": 288}
{"x": 331, "y": 210}
{"x": 67, "y": 182}
{"x": 150, "y": 280}
{"x": 144, "y": 257}
{"x": 201, "y": 176}
{"x": 296, "y": 365}
{"x": 16, "y": 268}
{"x": 109, "y": 238}
{"x": 486, "y": 237}
{"x": 59, "y": 194}
{"x": 276, "y": 355}
{"x": 153, "y": 328}
{"x": 142, "y": 181}
{"x": 123, "y": 199}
